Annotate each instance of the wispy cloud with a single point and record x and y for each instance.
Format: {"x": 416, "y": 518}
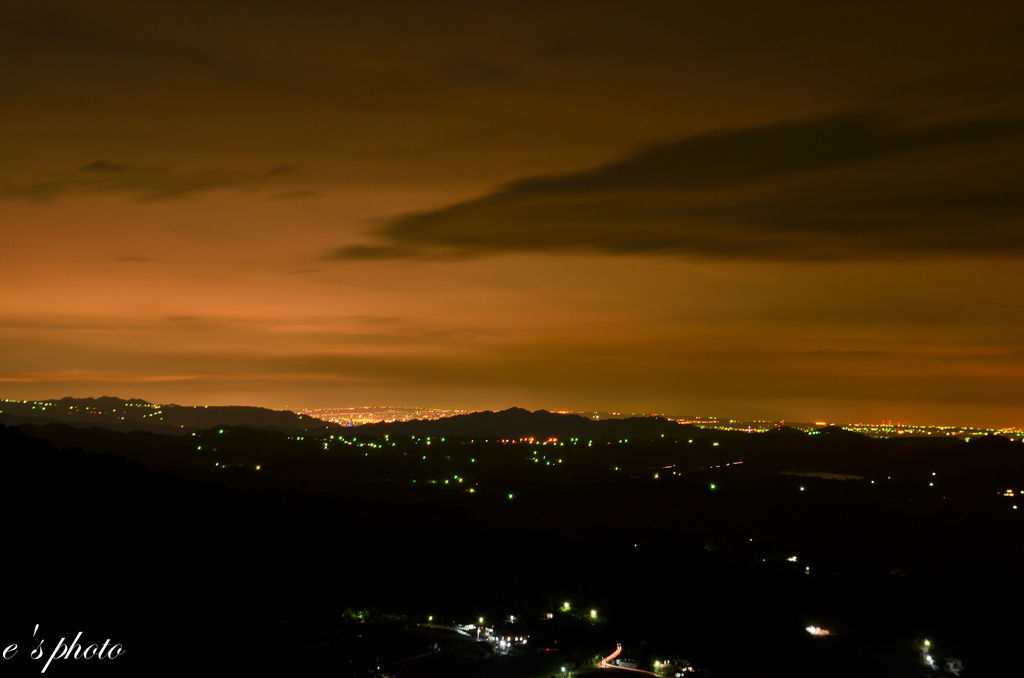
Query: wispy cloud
{"x": 143, "y": 181}
{"x": 846, "y": 186}
{"x": 90, "y": 377}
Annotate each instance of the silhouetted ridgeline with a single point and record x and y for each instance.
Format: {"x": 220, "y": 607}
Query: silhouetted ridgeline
{"x": 516, "y": 422}
{"x": 139, "y": 415}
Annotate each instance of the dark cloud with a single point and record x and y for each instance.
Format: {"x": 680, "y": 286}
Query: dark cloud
{"x": 845, "y": 186}
{"x": 105, "y": 166}
{"x": 438, "y": 252}
{"x": 144, "y": 181}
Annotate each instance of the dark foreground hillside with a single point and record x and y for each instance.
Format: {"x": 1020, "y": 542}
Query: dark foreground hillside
{"x": 264, "y": 553}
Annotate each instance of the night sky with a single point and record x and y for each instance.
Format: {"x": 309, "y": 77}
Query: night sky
{"x": 785, "y": 210}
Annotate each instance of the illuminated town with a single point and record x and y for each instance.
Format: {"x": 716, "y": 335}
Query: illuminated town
{"x": 354, "y": 416}
{"x": 140, "y": 410}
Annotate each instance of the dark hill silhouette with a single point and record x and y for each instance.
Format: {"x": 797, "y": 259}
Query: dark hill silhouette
{"x": 517, "y": 422}
{"x": 139, "y": 415}
{"x": 836, "y": 432}
{"x": 784, "y": 431}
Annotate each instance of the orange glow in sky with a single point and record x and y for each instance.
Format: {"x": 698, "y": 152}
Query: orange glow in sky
{"x": 812, "y": 214}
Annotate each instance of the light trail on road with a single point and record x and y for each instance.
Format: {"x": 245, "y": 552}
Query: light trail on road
{"x": 605, "y": 663}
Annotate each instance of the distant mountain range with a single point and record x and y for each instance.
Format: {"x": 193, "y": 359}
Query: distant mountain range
{"x": 516, "y": 422}
{"x": 253, "y": 436}
{"x": 139, "y": 415}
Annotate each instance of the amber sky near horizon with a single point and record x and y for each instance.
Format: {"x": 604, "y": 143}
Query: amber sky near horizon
{"x": 788, "y": 210}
